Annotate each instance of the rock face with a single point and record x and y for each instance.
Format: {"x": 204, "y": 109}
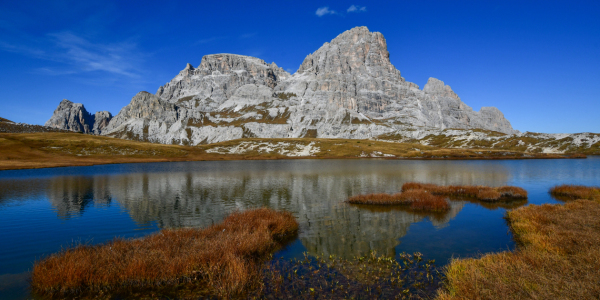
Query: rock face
{"x": 346, "y": 89}
{"x": 74, "y": 117}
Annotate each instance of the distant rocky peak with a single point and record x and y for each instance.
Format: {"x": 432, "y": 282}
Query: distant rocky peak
{"x": 74, "y": 117}
{"x": 356, "y": 51}
{"x": 438, "y": 88}
{"x": 218, "y": 76}
{"x": 231, "y": 62}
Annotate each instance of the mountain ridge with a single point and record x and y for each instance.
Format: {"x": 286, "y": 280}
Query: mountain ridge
{"x": 347, "y": 88}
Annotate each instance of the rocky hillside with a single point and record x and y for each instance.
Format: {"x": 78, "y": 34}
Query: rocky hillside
{"x": 7, "y": 126}
{"x": 346, "y": 89}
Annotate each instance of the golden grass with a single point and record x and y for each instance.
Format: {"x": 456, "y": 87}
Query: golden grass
{"x": 570, "y": 192}
{"x": 558, "y": 257}
{"x": 415, "y": 199}
{"x": 483, "y": 193}
{"x": 60, "y": 149}
{"x": 224, "y": 258}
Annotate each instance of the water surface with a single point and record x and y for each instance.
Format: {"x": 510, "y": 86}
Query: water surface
{"x": 42, "y": 211}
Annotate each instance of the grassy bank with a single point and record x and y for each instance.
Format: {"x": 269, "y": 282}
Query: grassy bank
{"x": 558, "y": 255}
{"x": 56, "y": 149}
{"x": 483, "y": 193}
{"x": 413, "y": 199}
{"x": 223, "y": 260}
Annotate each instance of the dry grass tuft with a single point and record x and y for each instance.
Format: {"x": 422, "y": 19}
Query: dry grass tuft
{"x": 225, "y": 258}
{"x": 416, "y": 199}
{"x": 558, "y": 257}
{"x": 570, "y": 192}
{"x": 483, "y": 193}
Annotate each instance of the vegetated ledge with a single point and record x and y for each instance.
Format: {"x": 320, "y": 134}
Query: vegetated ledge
{"x": 558, "y": 255}
{"x": 223, "y": 260}
{"x": 414, "y": 199}
{"x": 483, "y": 193}
{"x": 568, "y": 192}
{"x": 57, "y": 149}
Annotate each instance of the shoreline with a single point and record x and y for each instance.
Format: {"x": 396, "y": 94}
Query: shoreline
{"x": 53, "y": 150}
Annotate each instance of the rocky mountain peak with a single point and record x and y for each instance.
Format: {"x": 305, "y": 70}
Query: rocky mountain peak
{"x": 356, "y": 51}
{"x": 348, "y": 88}
{"x": 217, "y": 77}
{"x": 74, "y": 117}
{"x": 437, "y": 87}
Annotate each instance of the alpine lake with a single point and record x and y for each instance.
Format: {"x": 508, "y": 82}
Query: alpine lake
{"x": 45, "y": 210}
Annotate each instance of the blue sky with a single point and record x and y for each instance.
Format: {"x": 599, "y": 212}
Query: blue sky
{"x": 537, "y": 61}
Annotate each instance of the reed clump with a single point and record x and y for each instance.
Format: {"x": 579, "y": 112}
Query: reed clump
{"x": 225, "y": 259}
{"x": 415, "y": 199}
{"x": 484, "y": 193}
{"x": 571, "y": 192}
{"x": 558, "y": 257}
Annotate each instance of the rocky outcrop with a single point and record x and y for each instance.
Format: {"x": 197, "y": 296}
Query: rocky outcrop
{"x": 71, "y": 116}
{"x": 348, "y": 88}
{"x": 101, "y": 120}
{"x": 74, "y": 117}
{"x": 218, "y": 76}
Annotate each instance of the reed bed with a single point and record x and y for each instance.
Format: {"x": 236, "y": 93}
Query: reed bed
{"x": 225, "y": 259}
{"x": 483, "y": 193}
{"x": 558, "y": 257}
{"x": 572, "y": 192}
{"x": 414, "y": 199}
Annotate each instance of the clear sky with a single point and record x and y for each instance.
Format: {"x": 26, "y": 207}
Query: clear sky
{"x": 537, "y": 61}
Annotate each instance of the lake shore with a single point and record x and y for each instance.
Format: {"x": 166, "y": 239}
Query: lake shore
{"x": 57, "y": 149}
{"x": 557, "y": 255}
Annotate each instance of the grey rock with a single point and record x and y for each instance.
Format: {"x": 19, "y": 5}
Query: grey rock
{"x": 348, "y": 88}
{"x": 71, "y": 116}
{"x": 101, "y": 120}
{"x": 74, "y": 117}
{"x": 218, "y": 76}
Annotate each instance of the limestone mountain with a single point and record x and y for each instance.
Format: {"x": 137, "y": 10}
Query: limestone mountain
{"x": 74, "y": 117}
{"x": 348, "y": 88}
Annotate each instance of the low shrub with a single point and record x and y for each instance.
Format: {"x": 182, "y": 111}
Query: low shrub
{"x": 572, "y": 192}
{"x": 415, "y": 199}
{"x": 483, "y": 193}
{"x": 225, "y": 258}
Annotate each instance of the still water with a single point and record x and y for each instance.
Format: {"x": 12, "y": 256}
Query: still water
{"x": 42, "y": 211}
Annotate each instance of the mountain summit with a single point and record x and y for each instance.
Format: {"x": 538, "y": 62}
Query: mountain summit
{"x": 348, "y": 88}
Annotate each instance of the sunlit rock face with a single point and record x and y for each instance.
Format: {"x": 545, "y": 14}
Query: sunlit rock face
{"x": 74, "y": 117}
{"x": 348, "y": 88}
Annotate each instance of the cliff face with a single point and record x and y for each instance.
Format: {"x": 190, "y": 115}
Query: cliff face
{"x": 74, "y": 117}
{"x": 346, "y": 89}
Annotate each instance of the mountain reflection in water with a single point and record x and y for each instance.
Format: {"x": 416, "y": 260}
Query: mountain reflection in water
{"x": 314, "y": 193}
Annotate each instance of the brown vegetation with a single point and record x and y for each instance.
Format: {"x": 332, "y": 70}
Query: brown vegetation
{"x": 558, "y": 257}
{"x": 483, "y": 193}
{"x": 415, "y": 199}
{"x": 571, "y": 192}
{"x": 58, "y": 149}
{"x": 225, "y": 259}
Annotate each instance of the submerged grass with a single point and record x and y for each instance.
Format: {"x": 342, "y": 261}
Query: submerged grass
{"x": 225, "y": 259}
{"x": 415, "y": 199}
{"x": 483, "y": 193}
{"x": 364, "y": 277}
{"x": 558, "y": 255}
